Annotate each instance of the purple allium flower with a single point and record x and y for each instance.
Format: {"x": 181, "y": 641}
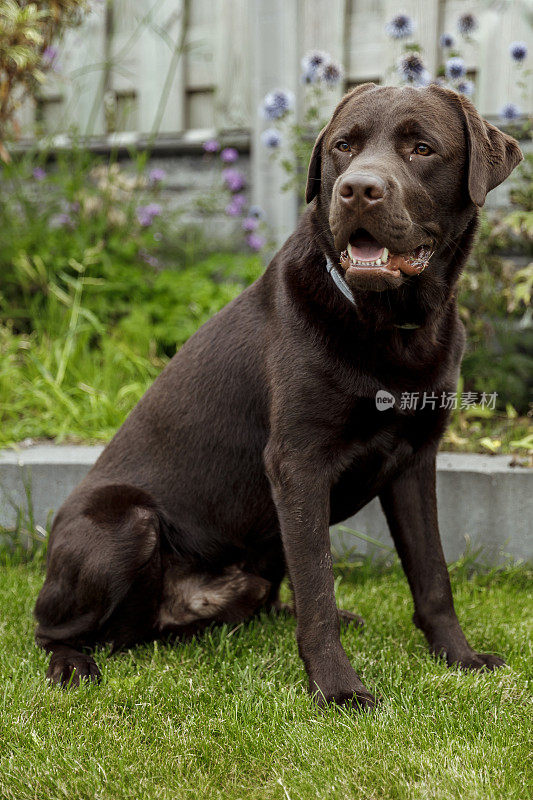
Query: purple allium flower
{"x": 61, "y": 221}
{"x": 144, "y": 219}
{"x": 271, "y": 138}
{"x": 234, "y": 179}
{"x": 277, "y": 103}
{"x": 455, "y": 68}
{"x": 518, "y": 51}
{"x": 411, "y": 67}
{"x": 400, "y": 27}
{"x": 146, "y": 214}
{"x": 239, "y": 199}
{"x": 156, "y": 175}
{"x": 149, "y": 259}
{"x": 250, "y": 224}
{"x": 255, "y": 241}
{"x": 465, "y": 87}
{"x": 332, "y": 73}
{"x": 49, "y": 56}
{"x": 314, "y": 59}
{"x": 466, "y": 24}
{"x": 256, "y": 211}
{"x": 211, "y": 146}
{"x": 446, "y": 40}
{"x": 311, "y": 76}
{"x": 510, "y": 112}
{"x": 312, "y": 64}
{"x": 39, "y": 174}
{"x": 229, "y": 155}
{"x": 233, "y": 209}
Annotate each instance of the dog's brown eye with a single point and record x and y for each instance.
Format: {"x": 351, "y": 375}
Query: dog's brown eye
{"x": 422, "y": 149}
{"x": 343, "y": 147}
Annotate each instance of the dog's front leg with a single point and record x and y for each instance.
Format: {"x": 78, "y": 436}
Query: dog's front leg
{"x": 301, "y": 495}
{"x": 410, "y": 505}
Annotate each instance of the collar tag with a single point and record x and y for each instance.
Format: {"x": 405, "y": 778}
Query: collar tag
{"x": 406, "y": 326}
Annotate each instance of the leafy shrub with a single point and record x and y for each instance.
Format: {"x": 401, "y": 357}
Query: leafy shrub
{"x": 90, "y": 309}
{"x": 26, "y": 50}
{"x": 77, "y": 376}
{"x": 495, "y": 300}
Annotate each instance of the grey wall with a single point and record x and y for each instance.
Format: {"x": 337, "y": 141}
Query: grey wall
{"x": 483, "y": 502}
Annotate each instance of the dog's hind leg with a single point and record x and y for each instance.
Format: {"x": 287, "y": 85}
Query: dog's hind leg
{"x": 192, "y": 600}
{"x": 103, "y": 542}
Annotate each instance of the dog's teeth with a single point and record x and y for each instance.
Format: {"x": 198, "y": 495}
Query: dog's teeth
{"x": 378, "y": 262}
{"x": 349, "y": 248}
{"x": 385, "y": 256}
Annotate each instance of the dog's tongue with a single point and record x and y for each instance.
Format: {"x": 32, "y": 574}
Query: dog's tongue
{"x": 363, "y": 247}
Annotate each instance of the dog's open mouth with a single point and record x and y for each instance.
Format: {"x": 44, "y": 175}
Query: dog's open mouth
{"x": 366, "y": 255}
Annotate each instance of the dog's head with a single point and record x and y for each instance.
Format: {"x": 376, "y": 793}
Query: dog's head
{"x": 398, "y": 173}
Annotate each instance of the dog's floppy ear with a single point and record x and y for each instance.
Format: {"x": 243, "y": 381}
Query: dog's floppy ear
{"x": 492, "y": 154}
{"x": 315, "y": 166}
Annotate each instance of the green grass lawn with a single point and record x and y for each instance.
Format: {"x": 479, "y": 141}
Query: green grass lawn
{"x": 228, "y": 716}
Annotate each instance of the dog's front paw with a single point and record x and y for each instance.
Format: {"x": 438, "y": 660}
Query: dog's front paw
{"x": 358, "y": 699}
{"x": 350, "y": 693}
{"x": 69, "y": 670}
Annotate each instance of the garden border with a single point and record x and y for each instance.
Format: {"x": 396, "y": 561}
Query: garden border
{"x": 484, "y": 504}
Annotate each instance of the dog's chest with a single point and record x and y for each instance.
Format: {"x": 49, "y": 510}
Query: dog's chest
{"x": 378, "y": 444}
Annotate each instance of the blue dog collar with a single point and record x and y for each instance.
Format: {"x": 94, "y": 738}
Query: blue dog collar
{"x": 339, "y": 280}
{"x": 345, "y": 289}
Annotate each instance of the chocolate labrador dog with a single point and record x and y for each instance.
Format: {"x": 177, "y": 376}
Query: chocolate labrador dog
{"x": 264, "y": 428}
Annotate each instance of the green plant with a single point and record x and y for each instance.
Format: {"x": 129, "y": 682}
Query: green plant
{"x": 98, "y": 287}
{"x": 27, "y": 31}
{"x": 77, "y": 204}
{"x": 495, "y": 301}
{"x": 90, "y": 357}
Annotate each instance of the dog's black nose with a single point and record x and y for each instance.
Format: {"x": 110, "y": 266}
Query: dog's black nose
{"x": 361, "y": 188}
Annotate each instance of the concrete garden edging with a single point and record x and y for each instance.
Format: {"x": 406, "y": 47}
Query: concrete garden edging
{"x": 483, "y": 502}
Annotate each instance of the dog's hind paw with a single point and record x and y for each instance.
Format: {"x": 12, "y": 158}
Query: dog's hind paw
{"x": 478, "y": 661}
{"x": 71, "y": 669}
{"x": 347, "y": 618}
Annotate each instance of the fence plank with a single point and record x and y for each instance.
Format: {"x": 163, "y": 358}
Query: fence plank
{"x": 83, "y": 59}
{"x": 497, "y": 83}
{"x": 156, "y": 49}
{"x": 233, "y": 58}
{"x": 315, "y": 34}
{"x": 365, "y": 59}
{"x": 275, "y": 65}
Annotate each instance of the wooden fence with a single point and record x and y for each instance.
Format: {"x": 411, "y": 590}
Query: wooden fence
{"x": 125, "y": 69}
